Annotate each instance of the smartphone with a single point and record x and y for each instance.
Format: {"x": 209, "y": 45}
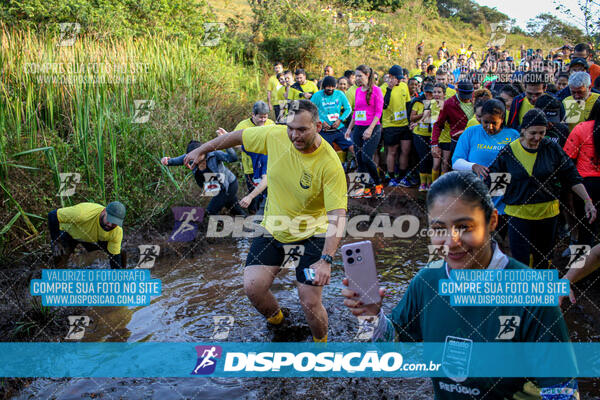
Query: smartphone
{"x": 359, "y": 266}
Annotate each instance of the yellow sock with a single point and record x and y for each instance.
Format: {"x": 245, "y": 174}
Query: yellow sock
{"x": 442, "y": 173}
{"x": 276, "y": 319}
{"x": 322, "y": 340}
{"x": 428, "y": 179}
{"x": 423, "y": 178}
{"x": 434, "y": 175}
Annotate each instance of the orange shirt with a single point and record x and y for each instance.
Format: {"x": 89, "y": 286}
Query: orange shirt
{"x": 580, "y": 147}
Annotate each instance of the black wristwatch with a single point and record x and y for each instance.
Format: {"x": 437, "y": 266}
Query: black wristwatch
{"x": 327, "y": 258}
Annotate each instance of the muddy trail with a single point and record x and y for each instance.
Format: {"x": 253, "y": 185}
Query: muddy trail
{"x": 203, "y": 279}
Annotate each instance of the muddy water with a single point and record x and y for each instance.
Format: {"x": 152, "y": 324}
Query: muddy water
{"x": 195, "y": 290}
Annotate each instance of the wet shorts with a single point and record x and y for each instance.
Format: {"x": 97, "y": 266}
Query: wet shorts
{"x": 338, "y": 138}
{"x": 265, "y": 250}
{"x": 392, "y": 135}
{"x": 446, "y": 146}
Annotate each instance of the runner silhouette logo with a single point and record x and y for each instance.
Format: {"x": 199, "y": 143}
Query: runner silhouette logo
{"x": 578, "y": 252}
{"x": 508, "y": 326}
{"x": 207, "y": 359}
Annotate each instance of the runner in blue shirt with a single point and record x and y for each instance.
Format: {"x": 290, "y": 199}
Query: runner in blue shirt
{"x": 330, "y": 102}
{"x": 479, "y": 145}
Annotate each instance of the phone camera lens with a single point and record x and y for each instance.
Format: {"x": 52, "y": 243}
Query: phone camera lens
{"x": 348, "y": 252}
{"x": 359, "y": 258}
{"x": 358, "y": 250}
{"x": 350, "y": 260}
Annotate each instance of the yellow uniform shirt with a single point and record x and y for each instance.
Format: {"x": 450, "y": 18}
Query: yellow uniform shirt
{"x": 302, "y": 187}
{"x": 246, "y": 160}
{"x": 578, "y": 111}
{"x": 395, "y": 113}
{"x": 525, "y": 106}
{"x": 272, "y": 86}
{"x": 279, "y": 96}
{"x": 435, "y": 113}
{"x": 472, "y": 122}
{"x": 414, "y": 72}
{"x": 350, "y": 95}
{"x": 422, "y": 128}
{"x": 450, "y": 92}
{"x": 82, "y": 222}
{"x": 438, "y": 63}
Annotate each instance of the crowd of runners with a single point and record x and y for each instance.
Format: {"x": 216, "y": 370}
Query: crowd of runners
{"x": 507, "y": 147}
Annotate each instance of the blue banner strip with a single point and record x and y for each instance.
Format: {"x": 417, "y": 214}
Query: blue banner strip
{"x": 227, "y": 359}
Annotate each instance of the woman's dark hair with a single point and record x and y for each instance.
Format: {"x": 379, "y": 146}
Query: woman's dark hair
{"x": 440, "y": 85}
{"x": 595, "y": 116}
{"x": 465, "y": 185}
{"x": 510, "y": 90}
{"x": 495, "y": 107}
{"x": 192, "y": 145}
{"x": 551, "y": 88}
{"x": 369, "y": 72}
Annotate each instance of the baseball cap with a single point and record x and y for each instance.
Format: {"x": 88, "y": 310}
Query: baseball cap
{"x": 115, "y": 213}
{"x": 396, "y": 71}
{"x": 428, "y": 87}
{"x": 579, "y": 60}
{"x": 464, "y": 89}
{"x": 550, "y": 105}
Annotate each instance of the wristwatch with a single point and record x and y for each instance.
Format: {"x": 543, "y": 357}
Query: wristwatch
{"x": 327, "y": 258}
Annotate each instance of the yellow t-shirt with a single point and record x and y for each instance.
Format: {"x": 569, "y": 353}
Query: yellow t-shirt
{"x": 350, "y": 95}
{"x": 472, "y": 122}
{"x": 577, "y": 111}
{"x": 302, "y": 187}
{"x": 435, "y": 113}
{"x": 525, "y": 106}
{"x": 422, "y": 128}
{"x": 450, "y": 92}
{"x": 279, "y": 96}
{"x": 414, "y": 72}
{"x": 438, "y": 63}
{"x": 272, "y": 85}
{"x": 82, "y": 222}
{"x": 310, "y": 87}
{"x": 246, "y": 160}
{"x": 395, "y": 113}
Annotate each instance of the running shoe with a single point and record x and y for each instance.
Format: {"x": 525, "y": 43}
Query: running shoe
{"x": 367, "y": 194}
{"x": 393, "y": 182}
{"x": 423, "y": 187}
{"x": 404, "y": 183}
{"x": 379, "y": 191}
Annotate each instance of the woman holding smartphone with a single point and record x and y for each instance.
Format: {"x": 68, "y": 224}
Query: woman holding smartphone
{"x": 462, "y": 218}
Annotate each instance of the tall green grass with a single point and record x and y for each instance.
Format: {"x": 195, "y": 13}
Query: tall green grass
{"x": 80, "y": 119}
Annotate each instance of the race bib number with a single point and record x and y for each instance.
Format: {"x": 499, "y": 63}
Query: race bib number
{"x": 256, "y": 181}
{"x": 399, "y": 115}
{"x": 333, "y": 117}
{"x": 360, "y": 115}
{"x": 211, "y": 188}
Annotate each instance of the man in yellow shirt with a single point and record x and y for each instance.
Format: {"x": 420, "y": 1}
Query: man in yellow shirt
{"x": 579, "y": 105}
{"x": 93, "y": 226}
{"x": 307, "y": 198}
{"x": 260, "y": 117}
{"x": 417, "y": 70}
{"x": 440, "y": 59}
{"x": 273, "y": 84}
{"x": 305, "y": 87}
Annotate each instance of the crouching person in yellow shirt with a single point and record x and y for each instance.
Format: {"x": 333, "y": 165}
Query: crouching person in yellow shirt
{"x": 93, "y": 226}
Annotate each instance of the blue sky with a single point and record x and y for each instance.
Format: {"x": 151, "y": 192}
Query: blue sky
{"x": 523, "y": 10}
